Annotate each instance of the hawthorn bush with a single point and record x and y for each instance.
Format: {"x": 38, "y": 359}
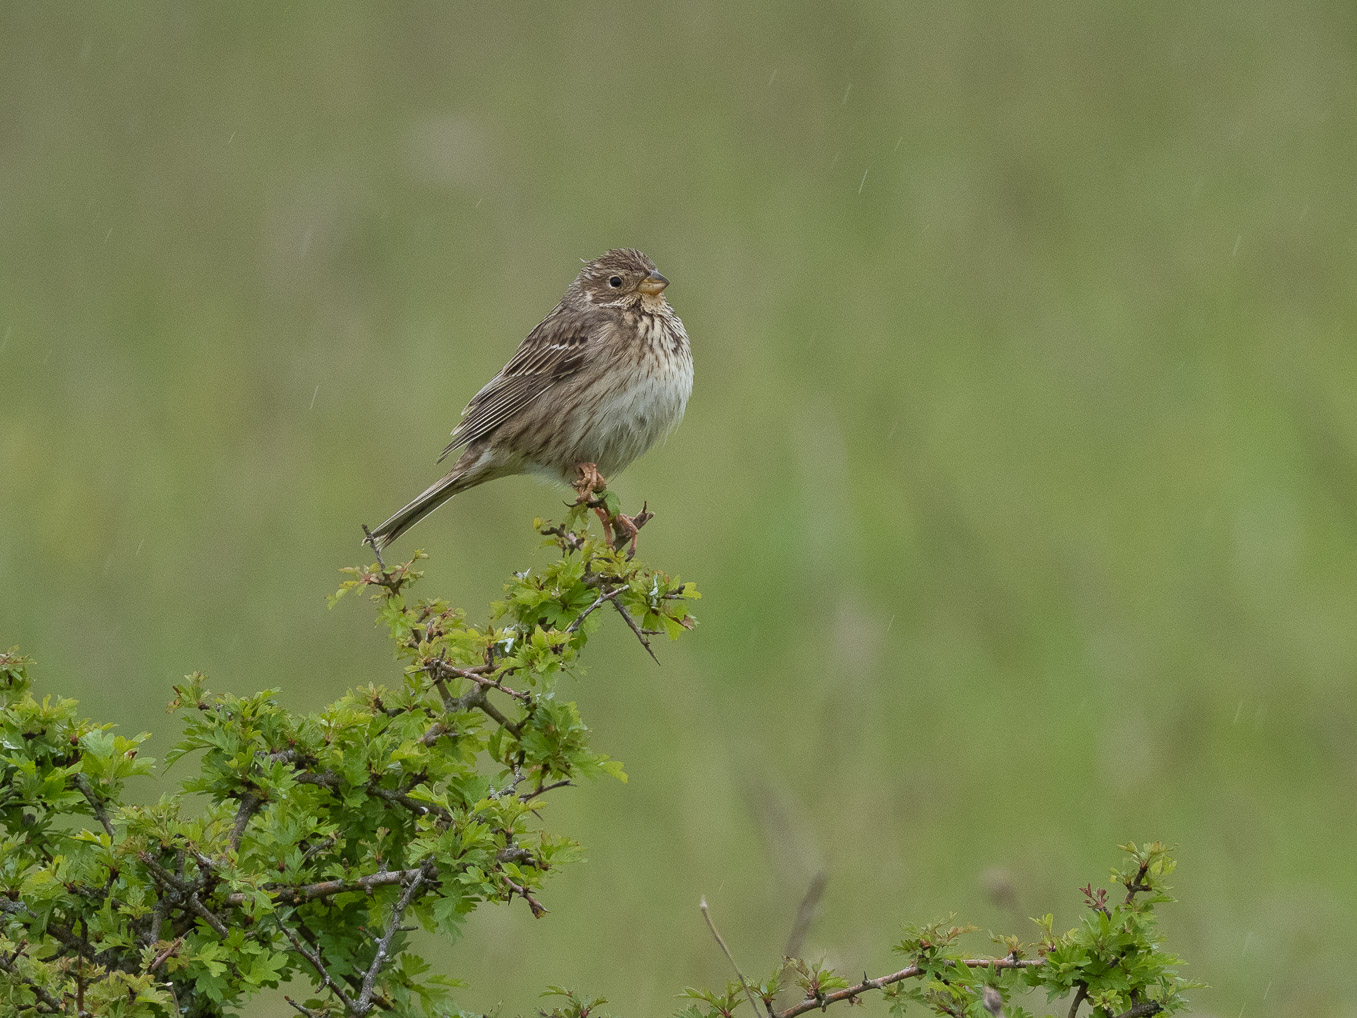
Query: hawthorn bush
{"x": 307, "y": 848}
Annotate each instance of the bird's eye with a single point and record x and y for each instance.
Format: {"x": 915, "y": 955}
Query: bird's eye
{"x": 615, "y": 281}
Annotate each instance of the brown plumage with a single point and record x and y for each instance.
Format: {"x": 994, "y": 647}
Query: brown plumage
{"x": 591, "y": 388}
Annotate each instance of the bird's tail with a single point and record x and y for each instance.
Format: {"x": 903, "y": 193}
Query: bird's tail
{"x": 426, "y": 502}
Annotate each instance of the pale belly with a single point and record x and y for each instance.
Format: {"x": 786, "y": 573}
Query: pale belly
{"x": 611, "y": 420}
{"x": 628, "y": 419}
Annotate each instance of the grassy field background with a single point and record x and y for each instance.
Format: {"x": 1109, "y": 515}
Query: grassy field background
{"x": 1020, "y": 475}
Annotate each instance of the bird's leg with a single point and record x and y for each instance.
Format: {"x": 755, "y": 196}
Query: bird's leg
{"x": 589, "y": 482}
{"x": 603, "y": 518}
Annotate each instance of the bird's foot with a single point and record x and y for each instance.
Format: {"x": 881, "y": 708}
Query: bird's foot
{"x": 590, "y": 481}
{"x": 617, "y": 528}
{"x": 628, "y": 528}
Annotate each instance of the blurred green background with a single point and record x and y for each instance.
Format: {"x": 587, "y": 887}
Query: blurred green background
{"x": 1019, "y": 473}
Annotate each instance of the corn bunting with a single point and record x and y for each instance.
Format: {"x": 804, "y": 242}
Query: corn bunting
{"x": 596, "y": 384}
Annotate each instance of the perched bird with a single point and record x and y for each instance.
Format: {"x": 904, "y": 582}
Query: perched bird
{"x": 596, "y": 384}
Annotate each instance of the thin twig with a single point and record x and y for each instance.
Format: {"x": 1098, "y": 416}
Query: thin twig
{"x": 635, "y": 627}
{"x": 325, "y": 779}
{"x": 82, "y": 783}
{"x": 320, "y": 846}
{"x": 371, "y": 542}
{"x": 80, "y": 972}
{"x": 538, "y": 909}
{"x": 436, "y": 731}
{"x": 207, "y": 864}
{"x": 66, "y": 936}
{"x": 157, "y": 917}
{"x": 1079, "y": 996}
{"x": 304, "y": 1010}
{"x": 908, "y": 972}
{"x": 1149, "y": 1007}
{"x": 484, "y": 683}
{"x": 208, "y": 916}
{"x": 160, "y": 958}
{"x": 529, "y": 796}
{"x": 510, "y": 786}
{"x": 187, "y": 892}
{"x": 753, "y": 1003}
{"x": 1138, "y": 884}
{"x": 494, "y": 713}
{"x": 476, "y": 699}
{"x": 332, "y": 780}
{"x": 476, "y": 673}
{"x": 249, "y": 806}
{"x": 517, "y": 854}
{"x": 413, "y": 805}
{"x": 309, "y": 892}
{"x": 314, "y": 958}
{"x": 449, "y": 701}
{"x": 164, "y": 876}
{"x": 384, "y": 945}
{"x": 598, "y": 602}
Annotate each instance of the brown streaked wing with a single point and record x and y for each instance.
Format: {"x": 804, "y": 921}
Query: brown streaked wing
{"x": 552, "y": 351}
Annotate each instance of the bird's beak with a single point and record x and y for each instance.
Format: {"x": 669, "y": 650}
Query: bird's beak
{"x": 653, "y": 284}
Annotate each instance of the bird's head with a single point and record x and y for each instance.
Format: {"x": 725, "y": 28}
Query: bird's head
{"x": 624, "y": 277}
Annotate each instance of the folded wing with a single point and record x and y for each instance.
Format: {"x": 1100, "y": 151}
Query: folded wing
{"x": 552, "y": 352}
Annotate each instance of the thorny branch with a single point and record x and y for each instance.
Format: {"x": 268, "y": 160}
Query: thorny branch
{"x": 612, "y": 596}
{"x": 641, "y": 634}
{"x": 477, "y": 676}
{"x": 538, "y": 909}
